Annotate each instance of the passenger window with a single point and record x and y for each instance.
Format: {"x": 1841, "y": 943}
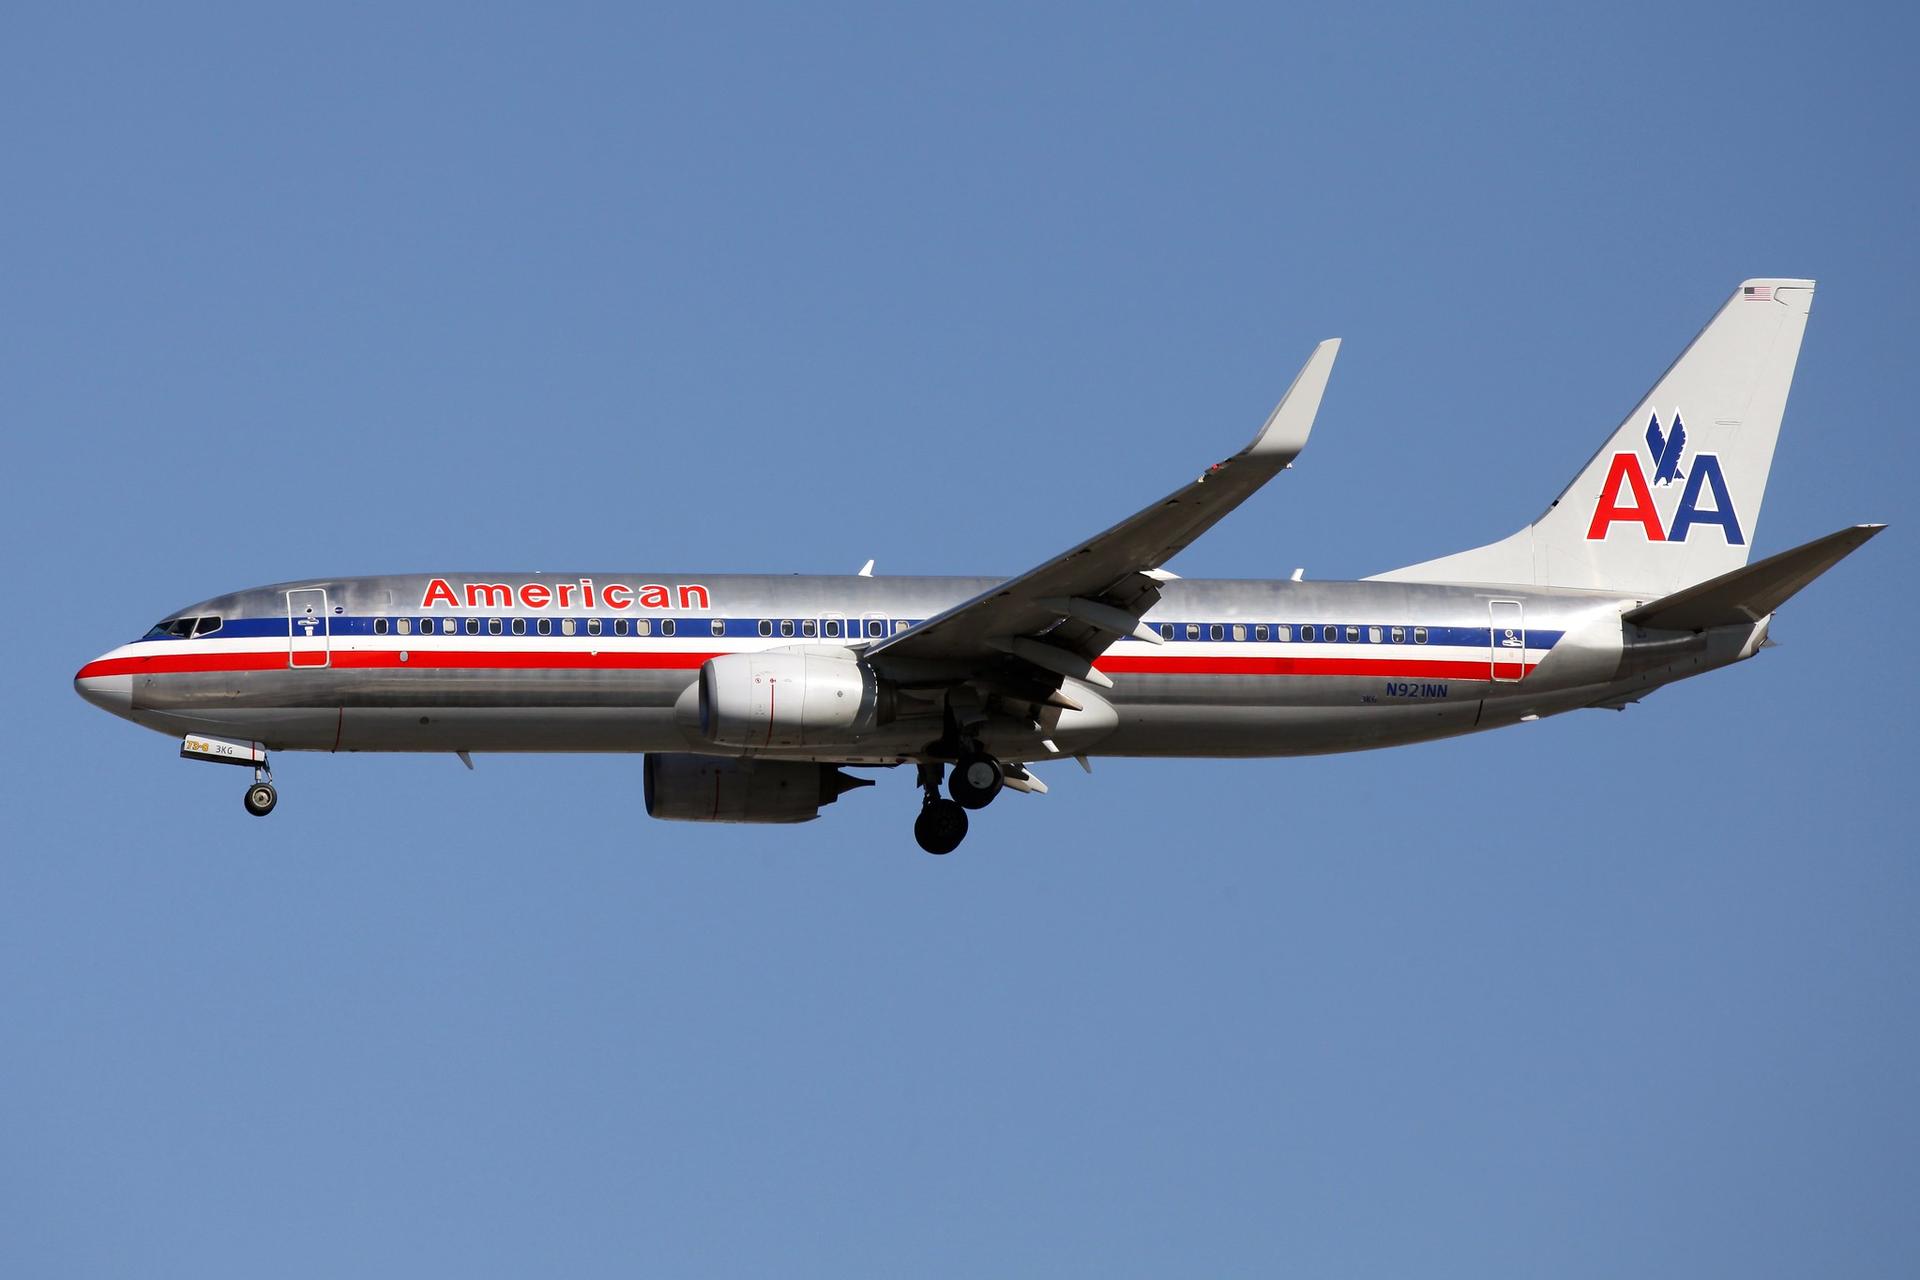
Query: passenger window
{"x": 1373, "y": 635}
{"x": 493, "y": 626}
{"x": 1399, "y": 635}
{"x": 718, "y": 626}
{"x": 1239, "y": 631}
{"x": 1260, "y": 631}
{"x": 668, "y": 626}
{"x": 876, "y": 627}
{"x": 1216, "y": 632}
{"x": 619, "y": 626}
{"x": 806, "y": 627}
{"x": 1285, "y": 632}
{"x": 1307, "y": 634}
{"x": 643, "y": 626}
{"x": 568, "y": 626}
{"x": 403, "y": 625}
{"x": 766, "y": 627}
{"x": 473, "y": 626}
{"x": 1419, "y": 635}
{"x": 379, "y": 626}
{"x": 1193, "y": 631}
{"x": 519, "y": 626}
{"x": 786, "y": 626}
{"x": 1166, "y": 631}
{"x": 1353, "y": 635}
{"x": 830, "y": 627}
{"x": 593, "y": 626}
{"x": 544, "y": 626}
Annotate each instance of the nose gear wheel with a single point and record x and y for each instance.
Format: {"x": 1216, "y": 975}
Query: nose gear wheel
{"x": 260, "y": 799}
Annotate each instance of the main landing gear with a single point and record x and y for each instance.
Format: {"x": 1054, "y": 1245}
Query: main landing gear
{"x": 976, "y": 779}
{"x": 942, "y": 824}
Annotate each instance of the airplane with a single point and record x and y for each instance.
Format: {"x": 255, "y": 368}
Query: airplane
{"x": 751, "y": 696}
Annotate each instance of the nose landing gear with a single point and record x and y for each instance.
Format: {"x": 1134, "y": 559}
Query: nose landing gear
{"x": 260, "y": 798}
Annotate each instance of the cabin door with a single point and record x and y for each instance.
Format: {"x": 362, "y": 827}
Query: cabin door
{"x": 308, "y": 630}
{"x": 1509, "y": 640}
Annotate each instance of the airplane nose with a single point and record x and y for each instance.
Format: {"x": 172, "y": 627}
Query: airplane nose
{"x": 108, "y": 692}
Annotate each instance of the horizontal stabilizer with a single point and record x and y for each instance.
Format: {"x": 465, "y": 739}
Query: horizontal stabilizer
{"x": 1750, "y": 593}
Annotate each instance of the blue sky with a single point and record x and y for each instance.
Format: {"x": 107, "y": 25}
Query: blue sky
{"x": 369, "y": 289}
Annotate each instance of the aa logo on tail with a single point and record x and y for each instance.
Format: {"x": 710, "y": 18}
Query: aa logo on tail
{"x": 1635, "y": 507}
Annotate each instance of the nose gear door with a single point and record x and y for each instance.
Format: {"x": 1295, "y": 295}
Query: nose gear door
{"x": 309, "y": 641}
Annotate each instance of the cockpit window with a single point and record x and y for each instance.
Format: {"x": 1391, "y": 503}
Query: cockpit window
{"x": 182, "y": 628}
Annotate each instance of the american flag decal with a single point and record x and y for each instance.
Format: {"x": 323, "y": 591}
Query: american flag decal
{"x": 1758, "y": 292}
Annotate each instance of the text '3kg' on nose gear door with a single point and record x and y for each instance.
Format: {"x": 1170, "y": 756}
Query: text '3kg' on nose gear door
{"x": 308, "y": 643}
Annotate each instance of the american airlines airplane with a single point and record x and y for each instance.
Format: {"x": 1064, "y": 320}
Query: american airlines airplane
{"x": 751, "y": 695}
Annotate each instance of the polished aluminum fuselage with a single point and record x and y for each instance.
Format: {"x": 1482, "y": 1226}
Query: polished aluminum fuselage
{"x": 343, "y": 664}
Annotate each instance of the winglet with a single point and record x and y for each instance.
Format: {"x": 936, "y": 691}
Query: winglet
{"x": 1291, "y": 421}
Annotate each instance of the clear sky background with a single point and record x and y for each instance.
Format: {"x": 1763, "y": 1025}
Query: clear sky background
{"x": 397, "y": 288}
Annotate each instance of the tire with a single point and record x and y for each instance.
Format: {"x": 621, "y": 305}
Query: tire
{"x": 976, "y": 780}
{"x": 941, "y": 826}
{"x": 260, "y": 799}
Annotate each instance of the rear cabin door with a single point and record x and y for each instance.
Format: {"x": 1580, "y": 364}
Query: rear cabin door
{"x": 1509, "y": 637}
{"x": 308, "y": 641}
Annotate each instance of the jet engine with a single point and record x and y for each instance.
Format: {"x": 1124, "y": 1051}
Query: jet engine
{"x": 689, "y": 788}
{"x": 787, "y": 698}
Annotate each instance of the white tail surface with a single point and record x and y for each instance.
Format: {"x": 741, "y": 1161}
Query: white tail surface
{"x": 1673, "y": 498}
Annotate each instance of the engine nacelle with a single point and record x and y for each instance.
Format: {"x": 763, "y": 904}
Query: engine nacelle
{"x": 787, "y": 698}
{"x": 689, "y": 788}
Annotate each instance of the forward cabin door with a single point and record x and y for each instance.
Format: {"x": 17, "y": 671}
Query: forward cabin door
{"x": 1509, "y": 640}
{"x": 308, "y": 640}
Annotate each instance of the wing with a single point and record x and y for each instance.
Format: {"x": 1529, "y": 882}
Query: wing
{"x": 1030, "y": 632}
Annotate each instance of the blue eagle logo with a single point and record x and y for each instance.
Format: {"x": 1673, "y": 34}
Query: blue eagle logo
{"x": 1666, "y": 449}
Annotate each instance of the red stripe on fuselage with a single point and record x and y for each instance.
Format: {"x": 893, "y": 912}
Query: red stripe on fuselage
{"x": 1391, "y": 664}
{"x": 365, "y": 659}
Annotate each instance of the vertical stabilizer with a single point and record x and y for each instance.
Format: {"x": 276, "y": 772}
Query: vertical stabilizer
{"x": 1673, "y": 498}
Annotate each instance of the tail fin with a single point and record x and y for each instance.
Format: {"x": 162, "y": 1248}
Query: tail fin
{"x": 1673, "y": 498}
